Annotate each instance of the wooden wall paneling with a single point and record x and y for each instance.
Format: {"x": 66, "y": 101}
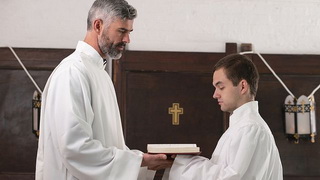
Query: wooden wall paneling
{"x": 301, "y": 178}
{"x": 33, "y": 58}
{"x": 147, "y": 83}
{"x": 297, "y": 159}
{"x": 150, "y": 96}
{"x": 155, "y": 80}
{"x": 18, "y": 146}
{"x": 301, "y": 74}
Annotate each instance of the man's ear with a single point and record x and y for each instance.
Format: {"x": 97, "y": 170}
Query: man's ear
{"x": 97, "y": 26}
{"x": 244, "y": 86}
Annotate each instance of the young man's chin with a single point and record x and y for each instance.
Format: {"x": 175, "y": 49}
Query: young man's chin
{"x": 224, "y": 109}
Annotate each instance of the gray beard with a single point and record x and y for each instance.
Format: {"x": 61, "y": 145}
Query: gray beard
{"x": 113, "y": 53}
{"x": 108, "y": 49}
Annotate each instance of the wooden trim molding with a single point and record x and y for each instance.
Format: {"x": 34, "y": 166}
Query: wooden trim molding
{"x": 32, "y": 58}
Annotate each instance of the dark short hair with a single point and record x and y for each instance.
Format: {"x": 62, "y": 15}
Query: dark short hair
{"x": 239, "y": 67}
{"x": 108, "y": 10}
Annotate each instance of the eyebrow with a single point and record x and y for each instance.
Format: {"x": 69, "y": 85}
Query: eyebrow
{"x": 217, "y": 84}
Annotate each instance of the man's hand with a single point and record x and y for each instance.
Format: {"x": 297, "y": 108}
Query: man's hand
{"x": 156, "y": 161}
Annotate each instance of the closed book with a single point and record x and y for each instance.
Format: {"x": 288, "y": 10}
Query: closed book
{"x": 173, "y": 149}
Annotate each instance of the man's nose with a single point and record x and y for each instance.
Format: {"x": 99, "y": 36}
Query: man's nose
{"x": 126, "y": 38}
{"x": 215, "y": 94}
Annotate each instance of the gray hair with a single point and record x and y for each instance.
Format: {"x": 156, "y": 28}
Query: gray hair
{"x": 109, "y": 10}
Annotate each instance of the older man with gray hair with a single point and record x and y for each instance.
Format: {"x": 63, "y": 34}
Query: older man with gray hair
{"x": 80, "y": 130}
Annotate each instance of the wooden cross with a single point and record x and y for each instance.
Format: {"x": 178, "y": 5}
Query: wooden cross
{"x": 175, "y": 110}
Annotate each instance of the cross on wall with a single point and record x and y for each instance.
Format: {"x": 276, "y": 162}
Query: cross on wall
{"x": 175, "y": 110}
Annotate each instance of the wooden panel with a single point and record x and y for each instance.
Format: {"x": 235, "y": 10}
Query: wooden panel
{"x": 301, "y": 74}
{"x": 291, "y": 64}
{"x": 297, "y": 159}
{"x": 18, "y": 146}
{"x": 33, "y": 59}
{"x": 161, "y": 62}
{"x": 17, "y": 176}
{"x": 148, "y": 82}
{"x": 150, "y": 95}
{"x": 301, "y": 178}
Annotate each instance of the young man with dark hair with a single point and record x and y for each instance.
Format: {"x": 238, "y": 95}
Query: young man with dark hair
{"x": 247, "y": 150}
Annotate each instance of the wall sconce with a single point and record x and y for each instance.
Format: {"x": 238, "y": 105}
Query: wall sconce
{"x": 300, "y": 118}
{"x": 36, "y": 109}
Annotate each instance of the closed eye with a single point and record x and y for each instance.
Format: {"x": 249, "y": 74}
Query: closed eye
{"x": 123, "y": 31}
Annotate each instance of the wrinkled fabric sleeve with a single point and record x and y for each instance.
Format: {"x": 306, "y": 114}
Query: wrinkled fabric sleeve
{"x": 241, "y": 151}
{"x": 144, "y": 173}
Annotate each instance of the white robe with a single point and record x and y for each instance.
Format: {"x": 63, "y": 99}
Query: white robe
{"x": 246, "y": 151}
{"x": 80, "y": 130}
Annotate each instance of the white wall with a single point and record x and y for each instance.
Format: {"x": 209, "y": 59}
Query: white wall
{"x": 273, "y": 26}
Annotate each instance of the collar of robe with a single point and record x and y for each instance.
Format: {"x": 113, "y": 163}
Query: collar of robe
{"x": 243, "y": 110}
{"x": 88, "y": 50}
